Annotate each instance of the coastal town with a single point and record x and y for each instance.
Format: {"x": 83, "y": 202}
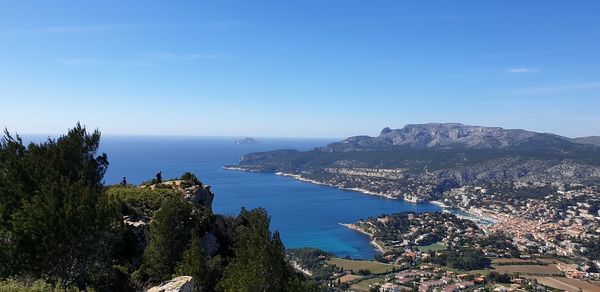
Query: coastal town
{"x": 518, "y": 209}
{"x": 501, "y": 237}
{"x": 530, "y": 235}
{"x": 562, "y": 222}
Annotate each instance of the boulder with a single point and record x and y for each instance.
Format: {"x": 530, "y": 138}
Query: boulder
{"x": 179, "y": 284}
{"x": 200, "y": 196}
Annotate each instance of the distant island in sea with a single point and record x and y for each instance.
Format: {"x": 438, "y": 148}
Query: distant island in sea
{"x": 247, "y": 140}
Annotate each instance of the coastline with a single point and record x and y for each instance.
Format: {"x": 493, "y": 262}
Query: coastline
{"x": 360, "y": 190}
{"x": 312, "y": 181}
{"x": 440, "y": 204}
{"x": 237, "y": 168}
{"x": 303, "y": 179}
{"x": 373, "y": 242}
{"x": 477, "y": 218}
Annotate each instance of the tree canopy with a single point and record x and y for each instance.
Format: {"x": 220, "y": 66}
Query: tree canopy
{"x": 54, "y": 219}
{"x": 60, "y": 227}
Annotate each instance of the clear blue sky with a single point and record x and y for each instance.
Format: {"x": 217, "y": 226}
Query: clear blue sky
{"x": 298, "y": 68}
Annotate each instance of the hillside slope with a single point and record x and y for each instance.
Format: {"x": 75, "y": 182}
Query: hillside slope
{"x": 593, "y": 140}
{"x": 429, "y": 158}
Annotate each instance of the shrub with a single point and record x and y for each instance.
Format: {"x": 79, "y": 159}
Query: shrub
{"x": 17, "y": 285}
{"x": 140, "y": 202}
{"x": 190, "y": 179}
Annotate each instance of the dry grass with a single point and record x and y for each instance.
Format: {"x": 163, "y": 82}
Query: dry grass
{"x": 519, "y": 260}
{"x": 363, "y": 286}
{"x": 355, "y": 265}
{"x": 348, "y": 278}
{"x": 529, "y": 270}
{"x": 567, "y": 284}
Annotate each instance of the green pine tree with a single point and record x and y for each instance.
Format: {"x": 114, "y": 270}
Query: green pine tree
{"x": 193, "y": 264}
{"x": 259, "y": 263}
{"x": 55, "y": 221}
{"x": 168, "y": 235}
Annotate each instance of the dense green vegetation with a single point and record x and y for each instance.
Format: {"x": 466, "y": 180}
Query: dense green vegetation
{"x": 140, "y": 202}
{"x": 190, "y": 179}
{"x": 497, "y": 242}
{"x": 315, "y": 260}
{"x": 55, "y": 221}
{"x": 436, "y": 168}
{"x": 14, "y": 285}
{"x": 508, "y": 190}
{"x": 61, "y": 228}
{"x": 167, "y": 235}
{"x": 355, "y": 265}
{"x": 430, "y": 227}
{"x": 591, "y": 249}
{"x": 462, "y": 259}
{"x": 495, "y": 277}
{"x": 259, "y": 263}
{"x": 415, "y": 159}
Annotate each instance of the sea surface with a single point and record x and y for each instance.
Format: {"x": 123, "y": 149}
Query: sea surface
{"x": 306, "y": 215}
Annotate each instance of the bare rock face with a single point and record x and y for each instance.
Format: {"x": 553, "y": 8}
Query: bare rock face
{"x": 442, "y": 135}
{"x": 200, "y": 195}
{"x": 137, "y": 232}
{"x": 179, "y": 284}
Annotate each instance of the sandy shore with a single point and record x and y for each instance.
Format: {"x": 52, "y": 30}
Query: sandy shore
{"x": 377, "y": 246}
{"x": 373, "y": 239}
{"x": 477, "y": 218}
{"x": 440, "y": 204}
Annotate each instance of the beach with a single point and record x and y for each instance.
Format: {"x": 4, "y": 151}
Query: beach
{"x": 373, "y": 239}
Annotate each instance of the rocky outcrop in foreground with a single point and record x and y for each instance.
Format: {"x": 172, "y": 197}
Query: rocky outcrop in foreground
{"x": 179, "y": 284}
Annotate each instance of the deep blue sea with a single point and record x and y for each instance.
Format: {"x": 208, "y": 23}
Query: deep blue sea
{"x": 305, "y": 214}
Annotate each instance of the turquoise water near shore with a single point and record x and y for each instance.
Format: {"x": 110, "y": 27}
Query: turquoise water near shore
{"x": 305, "y": 214}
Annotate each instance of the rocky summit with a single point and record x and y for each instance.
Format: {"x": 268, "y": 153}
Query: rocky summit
{"x": 423, "y": 160}
{"x": 443, "y": 135}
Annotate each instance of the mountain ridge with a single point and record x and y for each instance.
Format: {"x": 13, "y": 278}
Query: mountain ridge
{"x": 593, "y": 140}
{"x": 425, "y": 159}
{"x": 443, "y": 135}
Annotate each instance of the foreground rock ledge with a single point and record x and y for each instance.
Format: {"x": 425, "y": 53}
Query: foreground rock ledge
{"x": 179, "y": 284}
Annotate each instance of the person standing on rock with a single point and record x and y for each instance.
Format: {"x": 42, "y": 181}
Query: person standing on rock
{"x": 159, "y": 177}
{"x": 124, "y": 181}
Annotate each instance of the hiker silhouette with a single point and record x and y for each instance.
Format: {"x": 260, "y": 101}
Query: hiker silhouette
{"x": 159, "y": 177}
{"x": 124, "y": 182}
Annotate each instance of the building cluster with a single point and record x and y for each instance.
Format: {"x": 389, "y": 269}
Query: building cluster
{"x": 401, "y": 233}
{"x": 391, "y": 183}
{"x": 440, "y": 280}
{"x": 504, "y": 219}
{"x": 558, "y": 222}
